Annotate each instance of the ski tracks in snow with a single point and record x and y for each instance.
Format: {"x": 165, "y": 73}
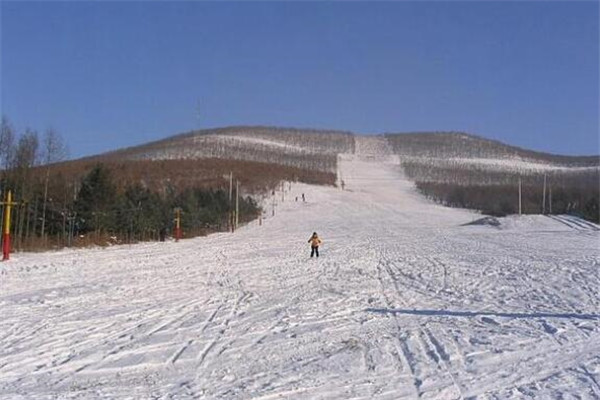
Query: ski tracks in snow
{"x": 423, "y": 354}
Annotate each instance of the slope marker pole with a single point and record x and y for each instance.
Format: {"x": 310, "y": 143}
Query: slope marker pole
{"x": 177, "y": 224}
{"x": 237, "y": 203}
{"x": 550, "y": 199}
{"x": 6, "y": 227}
{"x": 544, "y": 196}
{"x": 519, "y": 195}
{"x": 230, "y": 211}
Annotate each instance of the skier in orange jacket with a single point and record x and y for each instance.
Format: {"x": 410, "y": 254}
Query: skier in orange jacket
{"x": 314, "y": 241}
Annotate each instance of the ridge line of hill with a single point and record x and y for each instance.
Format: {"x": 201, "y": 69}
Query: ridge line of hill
{"x": 423, "y": 136}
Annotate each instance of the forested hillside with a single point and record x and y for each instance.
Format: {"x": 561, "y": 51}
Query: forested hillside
{"x": 464, "y": 146}
{"x": 133, "y": 194}
{"x": 462, "y": 170}
{"x": 300, "y": 148}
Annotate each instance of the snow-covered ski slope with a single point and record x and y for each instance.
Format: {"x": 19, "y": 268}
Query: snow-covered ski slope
{"x": 404, "y": 303}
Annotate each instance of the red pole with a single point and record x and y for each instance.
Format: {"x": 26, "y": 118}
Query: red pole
{"x": 5, "y": 246}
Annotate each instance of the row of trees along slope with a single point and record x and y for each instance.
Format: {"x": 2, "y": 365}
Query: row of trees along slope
{"x": 122, "y": 196}
{"x": 306, "y": 149}
{"x": 467, "y": 171}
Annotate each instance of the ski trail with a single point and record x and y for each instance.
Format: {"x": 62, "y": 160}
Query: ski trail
{"x": 418, "y": 342}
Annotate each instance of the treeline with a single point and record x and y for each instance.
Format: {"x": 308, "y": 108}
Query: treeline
{"x": 305, "y": 149}
{"x": 101, "y": 208}
{"x": 442, "y": 171}
{"x": 135, "y": 213}
{"x": 502, "y": 200}
{"x": 256, "y": 178}
{"x": 494, "y": 192}
{"x": 20, "y": 155}
{"x": 444, "y": 145}
{"x": 462, "y": 170}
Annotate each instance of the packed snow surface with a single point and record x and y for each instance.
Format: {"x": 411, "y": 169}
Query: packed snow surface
{"x": 404, "y": 303}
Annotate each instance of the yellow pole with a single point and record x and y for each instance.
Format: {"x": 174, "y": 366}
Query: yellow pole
{"x": 6, "y": 228}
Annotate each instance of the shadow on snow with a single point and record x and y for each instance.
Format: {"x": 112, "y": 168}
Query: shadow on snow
{"x": 447, "y": 313}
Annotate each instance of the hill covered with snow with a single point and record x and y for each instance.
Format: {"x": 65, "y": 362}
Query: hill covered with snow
{"x": 302, "y": 148}
{"x": 406, "y": 301}
{"x": 318, "y": 149}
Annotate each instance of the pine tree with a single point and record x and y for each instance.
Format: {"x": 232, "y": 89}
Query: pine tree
{"x": 95, "y": 204}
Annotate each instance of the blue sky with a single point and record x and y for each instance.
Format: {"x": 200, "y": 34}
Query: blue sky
{"x": 114, "y": 74}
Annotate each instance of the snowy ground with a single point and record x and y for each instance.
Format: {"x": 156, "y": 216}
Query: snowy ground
{"x": 404, "y": 303}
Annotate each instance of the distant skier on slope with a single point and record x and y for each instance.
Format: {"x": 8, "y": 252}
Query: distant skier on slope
{"x": 314, "y": 241}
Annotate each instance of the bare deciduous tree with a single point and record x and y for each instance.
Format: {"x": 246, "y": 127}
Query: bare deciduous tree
{"x": 27, "y": 151}
{"x": 54, "y": 150}
{"x": 7, "y": 144}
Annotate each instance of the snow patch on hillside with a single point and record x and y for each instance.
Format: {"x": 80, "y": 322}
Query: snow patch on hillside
{"x": 495, "y": 164}
{"x": 263, "y": 142}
